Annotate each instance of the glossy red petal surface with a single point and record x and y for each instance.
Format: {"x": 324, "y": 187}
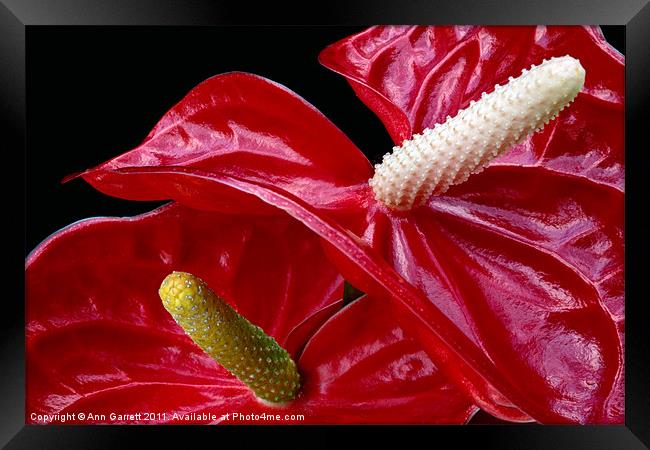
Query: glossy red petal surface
{"x": 243, "y": 125}
{"x": 414, "y": 77}
{"x": 579, "y": 224}
{"x": 364, "y": 368}
{"x": 98, "y": 337}
{"x": 540, "y": 232}
{"x": 530, "y": 310}
{"x": 458, "y": 356}
{"x": 565, "y": 334}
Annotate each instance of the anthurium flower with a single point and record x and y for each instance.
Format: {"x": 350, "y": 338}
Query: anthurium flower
{"x": 100, "y": 342}
{"x": 511, "y": 278}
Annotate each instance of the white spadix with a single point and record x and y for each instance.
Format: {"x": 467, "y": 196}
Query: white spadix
{"x": 430, "y": 162}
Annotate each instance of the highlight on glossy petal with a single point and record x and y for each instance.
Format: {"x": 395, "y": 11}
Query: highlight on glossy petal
{"x": 242, "y": 348}
{"x": 430, "y": 162}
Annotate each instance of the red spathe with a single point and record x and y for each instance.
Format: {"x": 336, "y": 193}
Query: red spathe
{"x": 513, "y": 281}
{"x": 100, "y": 342}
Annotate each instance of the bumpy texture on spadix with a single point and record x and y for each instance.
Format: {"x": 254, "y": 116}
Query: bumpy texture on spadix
{"x": 235, "y": 343}
{"x": 430, "y": 162}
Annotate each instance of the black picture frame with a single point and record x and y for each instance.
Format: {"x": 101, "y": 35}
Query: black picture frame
{"x": 18, "y": 16}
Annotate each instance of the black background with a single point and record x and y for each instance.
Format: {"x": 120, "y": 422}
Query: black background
{"x": 94, "y": 93}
